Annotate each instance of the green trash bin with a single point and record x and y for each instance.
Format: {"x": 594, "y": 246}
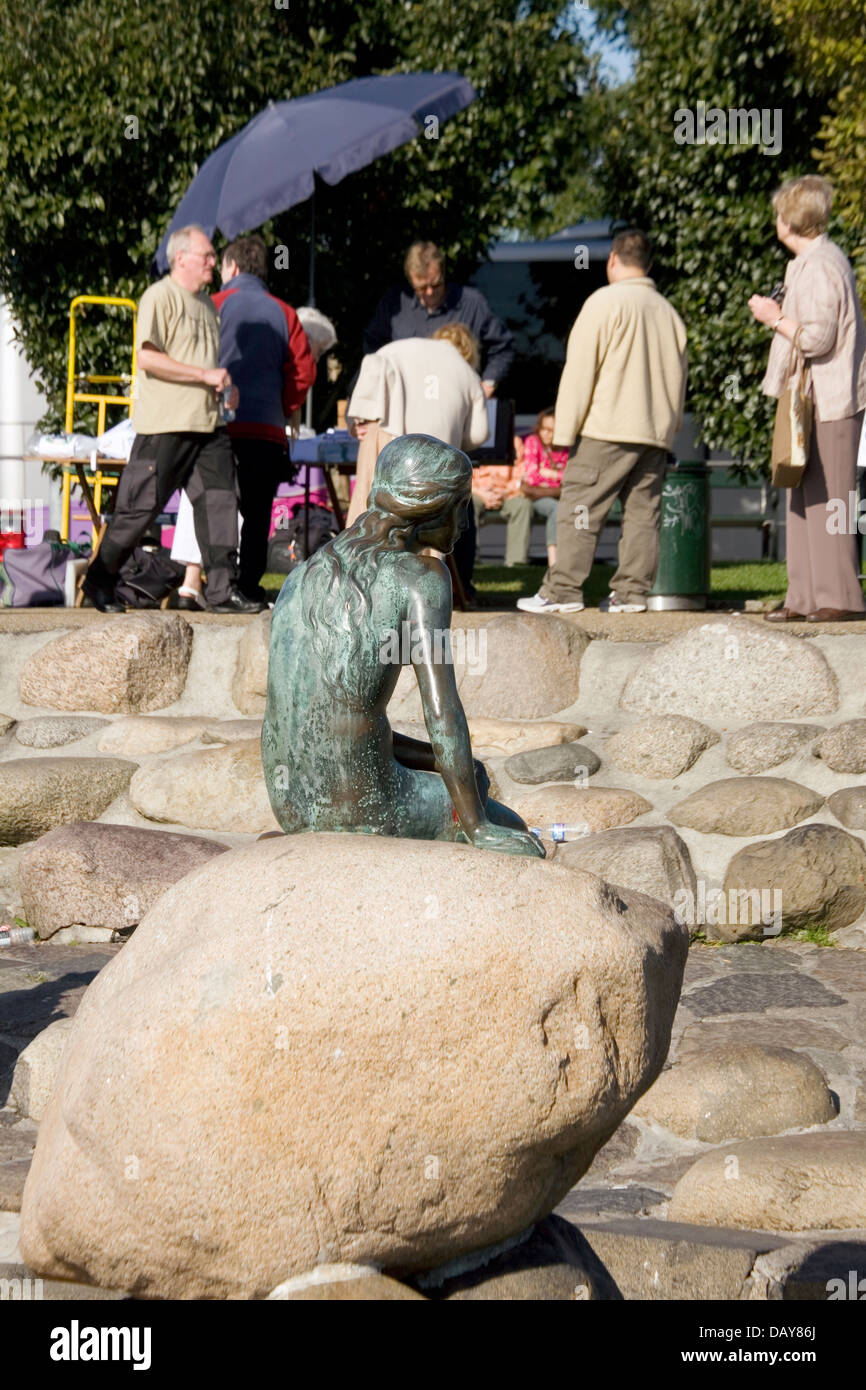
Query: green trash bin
{"x": 683, "y": 577}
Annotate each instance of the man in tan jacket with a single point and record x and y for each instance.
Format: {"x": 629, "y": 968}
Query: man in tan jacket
{"x": 621, "y": 396}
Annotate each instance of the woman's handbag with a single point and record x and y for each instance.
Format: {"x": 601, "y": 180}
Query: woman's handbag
{"x": 793, "y": 429}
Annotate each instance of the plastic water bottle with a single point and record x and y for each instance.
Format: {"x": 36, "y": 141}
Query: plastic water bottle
{"x": 559, "y": 832}
{"x": 226, "y": 412}
{"x": 16, "y": 936}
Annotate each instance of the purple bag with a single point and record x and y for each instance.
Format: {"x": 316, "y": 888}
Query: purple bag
{"x": 35, "y": 578}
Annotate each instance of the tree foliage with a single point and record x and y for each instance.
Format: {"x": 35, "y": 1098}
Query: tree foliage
{"x": 87, "y": 193}
{"x": 707, "y": 206}
{"x": 829, "y": 39}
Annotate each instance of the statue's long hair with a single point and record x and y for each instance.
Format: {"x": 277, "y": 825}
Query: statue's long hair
{"x": 417, "y": 481}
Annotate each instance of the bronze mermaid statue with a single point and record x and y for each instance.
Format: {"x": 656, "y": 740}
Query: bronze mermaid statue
{"x": 331, "y": 759}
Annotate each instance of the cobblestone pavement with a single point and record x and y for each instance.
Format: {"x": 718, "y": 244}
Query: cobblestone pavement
{"x": 38, "y": 986}
{"x": 772, "y": 994}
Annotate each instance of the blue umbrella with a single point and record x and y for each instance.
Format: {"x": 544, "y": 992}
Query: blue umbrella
{"x": 271, "y": 164}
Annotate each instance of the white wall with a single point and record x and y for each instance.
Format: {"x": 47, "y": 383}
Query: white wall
{"x": 22, "y": 481}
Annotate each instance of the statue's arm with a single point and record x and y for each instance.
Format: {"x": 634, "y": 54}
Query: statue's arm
{"x": 430, "y": 610}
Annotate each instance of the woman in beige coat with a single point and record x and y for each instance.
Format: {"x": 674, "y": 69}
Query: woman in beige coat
{"x": 821, "y": 308}
{"x": 417, "y": 386}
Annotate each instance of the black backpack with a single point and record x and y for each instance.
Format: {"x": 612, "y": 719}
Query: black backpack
{"x": 147, "y": 577}
{"x": 286, "y": 548}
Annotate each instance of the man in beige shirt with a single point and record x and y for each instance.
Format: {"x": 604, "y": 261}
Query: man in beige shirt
{"x": 179, "y": 440}
{"x": 621, "y": 396}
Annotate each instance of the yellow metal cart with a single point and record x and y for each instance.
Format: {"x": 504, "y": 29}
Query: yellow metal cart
{"x": 98, "y": 472}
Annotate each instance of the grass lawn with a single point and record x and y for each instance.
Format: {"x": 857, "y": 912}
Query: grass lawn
{"x": 730, "y": 581}
{"x": 499, "y": 587}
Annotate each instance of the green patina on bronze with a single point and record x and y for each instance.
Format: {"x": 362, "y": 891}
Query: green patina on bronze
{"x": 331, "y": 759}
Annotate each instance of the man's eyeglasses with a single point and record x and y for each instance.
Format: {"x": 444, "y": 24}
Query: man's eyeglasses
{"x": 203, "y": 255}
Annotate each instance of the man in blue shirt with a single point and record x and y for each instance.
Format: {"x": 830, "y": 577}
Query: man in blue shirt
{"x": 430, "y": 304}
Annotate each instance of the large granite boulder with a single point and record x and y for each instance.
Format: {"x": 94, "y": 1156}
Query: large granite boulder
{"x": 733, "y": 669}
{"x": 513, "y": 667}
{"x": 767, "y": 743}
{"x": 746, "y": 806}
{"x": 219, "y": 788}
{"x": 650, "y": 859}
{"x": 345, "y": 1048}
{"x": 122, "y": 665}
{"x": 662, "y": 745}
{"x": 106, "y": 876}
{"x": 801, "y": 1182}
{"x": 844, "y": 747}
{"x": 817, "y": 874}
{"x": 36, "y": 794}
{"x": 738, "y": 1092}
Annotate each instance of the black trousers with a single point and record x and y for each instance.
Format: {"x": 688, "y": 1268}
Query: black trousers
{"x": 262, "y": 466}
{"x": 464, "y": 551}
{"x": 158, "y": 465}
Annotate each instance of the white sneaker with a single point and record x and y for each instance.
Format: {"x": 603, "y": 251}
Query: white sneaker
{"x": 537, "y": 604}
{"x": 612, "y": 604}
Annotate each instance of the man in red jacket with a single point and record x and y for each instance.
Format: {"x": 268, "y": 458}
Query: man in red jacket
{"x": 265, "y": 350}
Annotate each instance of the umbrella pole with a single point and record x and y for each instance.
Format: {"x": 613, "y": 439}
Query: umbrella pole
{"x": 311, "y": 300}
{"x": 311, "y": 297}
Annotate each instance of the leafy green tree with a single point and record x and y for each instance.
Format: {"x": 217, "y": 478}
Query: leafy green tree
{"x": 829, "y": 38}
{"x": 707, "y": 205}
{"x": 106, "y": 111}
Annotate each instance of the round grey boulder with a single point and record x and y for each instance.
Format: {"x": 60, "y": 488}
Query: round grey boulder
{"x": 343, "y": 1283}
{"x": 106, "y": 876}
{"x": 767, "y": 743}
{"x": 563, "y": 762}
{"x": 738, "y": 1092}
{"x": 55, "y": 730}
{"x": 120, "y": 665}
{"x": 551, "y": 1262}
{"x": 650, "y": 859}
{"x": 663, "y": 745}
{"x": 818, "y": 872}
{"x": 511, "y": 668}
{"x": 849, "y": 806}
{"x": 746, "y": 806}
{"x": 801, "y": 1182}
{"x": 844, "y": 747}
{"x": 37, "y": 794}
{"x": 733, "y": 669}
